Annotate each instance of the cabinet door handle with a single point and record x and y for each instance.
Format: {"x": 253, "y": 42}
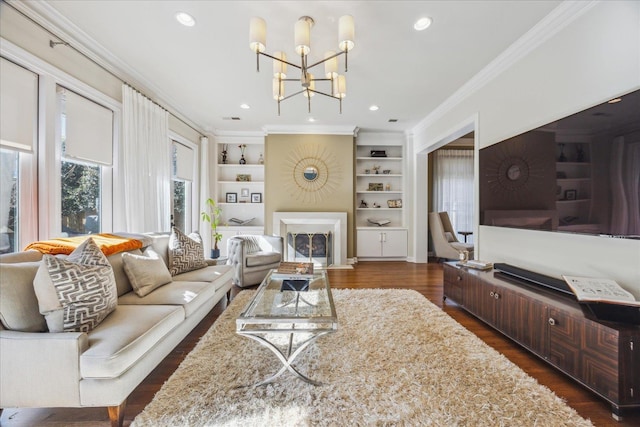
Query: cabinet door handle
{"x": 492, "y": 294}
{"x": 496, "y": 295}
{"x": 459, "y": 278}
{"x": 552, "y": 321}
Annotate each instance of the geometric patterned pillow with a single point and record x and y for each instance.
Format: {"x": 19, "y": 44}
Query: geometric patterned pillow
{"x": 77, "y": 293}
{"x": 186, "y": 253}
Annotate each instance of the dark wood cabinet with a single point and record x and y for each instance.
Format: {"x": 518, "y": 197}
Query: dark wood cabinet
{"x": 603, "y": 356}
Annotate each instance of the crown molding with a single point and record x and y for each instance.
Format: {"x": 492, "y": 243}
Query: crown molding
{"x": 558, "y": 19}
{"x": 60, "y": 27}
{"x": 311, "y": 130}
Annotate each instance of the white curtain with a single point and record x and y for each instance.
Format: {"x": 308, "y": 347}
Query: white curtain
{"x": 453, "y": 188}
{"x": 205, "y": 228}
{"x": 146, "y": 163}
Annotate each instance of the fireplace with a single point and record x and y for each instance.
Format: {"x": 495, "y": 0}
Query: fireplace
{"x": 313, "y": 230}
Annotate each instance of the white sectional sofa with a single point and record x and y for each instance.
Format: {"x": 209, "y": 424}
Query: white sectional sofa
{"x": 101, "y": 367}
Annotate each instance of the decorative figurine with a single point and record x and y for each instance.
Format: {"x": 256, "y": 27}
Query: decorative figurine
{"x": 363, "y": 204}
{"x": 224, "y": 154}
{"x": 242, "y": 148}
{"x": 580, "y": 153}
{"x": 562, "y": 157}
{"x": 260, "y": 160}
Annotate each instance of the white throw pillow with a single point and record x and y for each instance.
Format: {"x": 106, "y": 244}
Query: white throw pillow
{"x": 146, "y": 272}
{"x": 77, "y": 293}
{"x": 186, "y": 253}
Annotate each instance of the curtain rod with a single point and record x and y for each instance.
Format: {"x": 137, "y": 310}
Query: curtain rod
{"x": 67, "y": 44}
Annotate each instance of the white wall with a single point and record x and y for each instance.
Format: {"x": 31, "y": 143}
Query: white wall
{"x": 591, "y": 60}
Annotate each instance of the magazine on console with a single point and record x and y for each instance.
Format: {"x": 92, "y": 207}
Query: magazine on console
{"x": 589, "y": 289}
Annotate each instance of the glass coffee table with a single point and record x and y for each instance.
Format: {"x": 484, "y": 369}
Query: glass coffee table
{"x": 288, "y": 314}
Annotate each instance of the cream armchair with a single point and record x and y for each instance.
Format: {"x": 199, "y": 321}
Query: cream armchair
{"x": 445, "y": 243}
{"x": 252, "y": 257}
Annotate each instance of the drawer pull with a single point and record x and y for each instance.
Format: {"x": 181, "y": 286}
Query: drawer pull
{"x": 496, "y": 295}
{"x": 492, "y": 294}
{"x": 459, "y": 278}
{"x": 552, "y": 321}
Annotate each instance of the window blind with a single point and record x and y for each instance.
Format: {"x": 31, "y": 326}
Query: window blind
{"x": 184, "y": 167}
{"x": 89, "y": 130}
{"x": 18, "y": 107}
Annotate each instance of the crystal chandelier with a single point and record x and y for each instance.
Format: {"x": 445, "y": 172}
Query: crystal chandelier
{"x": 302, "y": 35}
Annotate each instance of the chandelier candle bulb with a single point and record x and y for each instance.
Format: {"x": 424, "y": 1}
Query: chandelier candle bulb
{"x": 346, "y": 31}
{"x": 311, "y": 85}
{"x": 278, "y": 89}
{"x": 340, "y": 87}
{"x": 302, "y": 36}
{"x": 331, "y": 64}
{"x": 257, "y": 34}
{"x": 280, "y": 67}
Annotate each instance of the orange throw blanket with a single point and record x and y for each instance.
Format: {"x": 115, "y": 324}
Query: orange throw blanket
{"x": 109, "y": 244}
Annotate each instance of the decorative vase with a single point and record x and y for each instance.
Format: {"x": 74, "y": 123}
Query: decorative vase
{"x": 261, "y": 160}
{"x": 215, "y": 253}
{"x": 242, "y": 160}
{"x": 562, "y": 157}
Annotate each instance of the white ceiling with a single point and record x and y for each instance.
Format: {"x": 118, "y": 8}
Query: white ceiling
{"x": 205, "y": 72}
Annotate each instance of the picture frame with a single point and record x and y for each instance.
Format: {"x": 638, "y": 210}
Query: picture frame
{"x": 244, "y": 192}
{"x": 256, "y": 197}
{"x": 395, "y": 203}
{"x": 570, "y": 194}
{"x": 232, "y": 197}
{"x": 376, "y": 186}
{"x": 243, "y": 177}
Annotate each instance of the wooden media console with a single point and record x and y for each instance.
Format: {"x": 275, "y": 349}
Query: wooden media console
{"x": 602, "y": 356}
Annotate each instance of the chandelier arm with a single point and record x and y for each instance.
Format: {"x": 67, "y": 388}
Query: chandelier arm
{"x": 294, "y": 94}
{"x": 280, "y": 60}
{"x": 325, "y": 59}
{"x": 322, "y": 93}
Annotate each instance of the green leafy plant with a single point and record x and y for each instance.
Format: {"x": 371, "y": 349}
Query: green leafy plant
{"x": 212, "y": 216}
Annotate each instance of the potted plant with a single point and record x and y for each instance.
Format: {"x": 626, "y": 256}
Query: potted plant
{"x": 212, "y": 216}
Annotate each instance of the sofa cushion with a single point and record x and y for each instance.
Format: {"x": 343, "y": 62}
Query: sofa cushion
{"x": 122, "y": 281}
{"x": 125, "y": 337}
{"x": 208, "y": 274}
{"x": 189, "y": 294}
{"x": 18, "y": 303}
{"x": 186, "y": 253}
{"x": 75, "y": 294}
{"x": 262, "y": 258}
{"x": 146, "y": 272}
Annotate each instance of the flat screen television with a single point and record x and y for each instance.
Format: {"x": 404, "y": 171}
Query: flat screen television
{"x": 579, "y": 174}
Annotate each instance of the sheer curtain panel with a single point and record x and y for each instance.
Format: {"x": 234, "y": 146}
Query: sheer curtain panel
{"x": 453, "y": 187}
{"x": 146, "y": 163}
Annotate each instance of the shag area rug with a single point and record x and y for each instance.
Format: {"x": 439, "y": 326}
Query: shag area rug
{"x": 396, "y": 360}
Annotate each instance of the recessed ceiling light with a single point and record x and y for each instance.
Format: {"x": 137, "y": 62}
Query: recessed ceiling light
{"x": 311, "y": 119}
{"x": 245, "y": 106}
{"x": 185, "y": 19}
{"x": 614, "y": 100}
{"x": 374, "y": 108}
{"x": 422, "y": 23}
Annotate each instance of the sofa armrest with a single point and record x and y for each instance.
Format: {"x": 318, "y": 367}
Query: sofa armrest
{"x": 40, "y": 369}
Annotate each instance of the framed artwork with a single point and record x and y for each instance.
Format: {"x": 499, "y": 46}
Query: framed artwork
{"x": 232, "y": 197}
{"x": 394, "y": 203}
{"x": 376, "y": 186}
{"x": 256, "y": 197}
{"x": 244, "y": 192}
{"x": 242, "y": 177}
{"x": 570, "y": 194}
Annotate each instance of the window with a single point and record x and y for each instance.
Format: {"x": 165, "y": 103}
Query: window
{"x": 182, "y": 158}
{"x": 453, "y": 187}
{"x": 86, "y": 138}
{"x": 18, "y": 133}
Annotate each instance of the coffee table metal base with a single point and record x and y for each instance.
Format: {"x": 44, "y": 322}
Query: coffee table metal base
{"x": 286, "y": 360}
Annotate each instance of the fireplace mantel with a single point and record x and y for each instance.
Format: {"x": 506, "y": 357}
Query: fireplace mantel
{"x": 336, "y": 222}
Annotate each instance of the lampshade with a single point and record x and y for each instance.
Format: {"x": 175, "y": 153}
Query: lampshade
{"x": 278, "y": 89}
{"x": 340, "y": 87}
{"x": 312, "y": 86}
{"x": 302, "y": 37}
{"x": 257, "y": 34}
{"x": 280, "y": 67}
{"x": 346, "y": 32}
{"x": 330, "y": 65}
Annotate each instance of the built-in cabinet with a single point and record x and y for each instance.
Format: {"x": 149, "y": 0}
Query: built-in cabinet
{"x": 380, "y": 196}
{"x": 382, "y": 243}
{"x": 574, "y": 187}
{"x": 240, "y": 186}
{"x": 603, "y": 356}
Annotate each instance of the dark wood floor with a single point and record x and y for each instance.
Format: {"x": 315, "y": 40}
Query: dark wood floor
{"x": 425, "y": 278}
